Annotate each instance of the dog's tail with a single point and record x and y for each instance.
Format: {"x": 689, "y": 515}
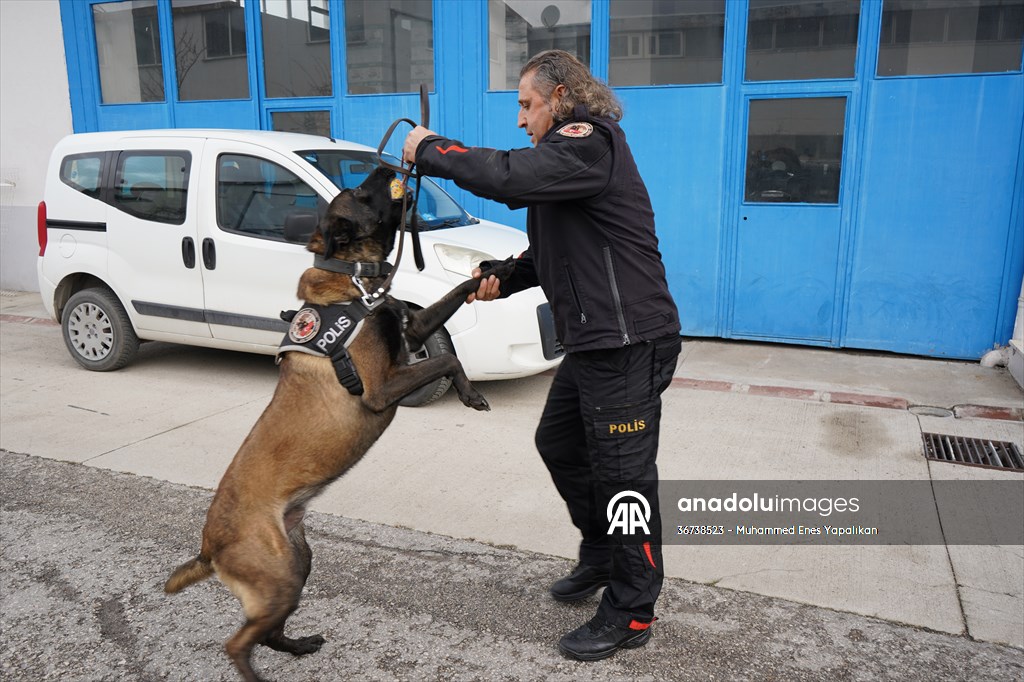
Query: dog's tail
{"x": 189, "y": 572}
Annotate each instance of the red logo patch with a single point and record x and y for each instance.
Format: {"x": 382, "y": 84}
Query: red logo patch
{"x": 305, "y": 325}
{"x": 577, "y": 130}
{"x": 453, "y": 148}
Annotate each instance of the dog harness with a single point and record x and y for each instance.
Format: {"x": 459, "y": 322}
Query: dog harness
{"x": 327, "y": 331}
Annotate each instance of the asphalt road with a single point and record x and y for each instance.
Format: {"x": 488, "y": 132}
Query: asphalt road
{"x": 85, "y": 553}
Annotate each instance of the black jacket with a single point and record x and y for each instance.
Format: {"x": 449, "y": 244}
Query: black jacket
{"x": 593, "y": 249}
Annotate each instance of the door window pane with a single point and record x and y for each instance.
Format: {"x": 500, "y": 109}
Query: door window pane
{"x": 296, "y": 48}
{"x": 128, "y": 51}
{"x": 665, "y": 43}
{"x": 152, "y": 185}
{"x": 519, "y": 29}
{"x": 257, "y": 197}
{"x": 961, "y": 36}
{"x": 801, "y": 39}
{"x": 795, "y": 150}
{"x": 209, "y": 49}
{"x": 312, "y": 122}
{"x": 389, "y": 45}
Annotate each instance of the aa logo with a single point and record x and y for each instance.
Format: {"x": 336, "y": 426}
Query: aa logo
{"x": 629, "y": 515}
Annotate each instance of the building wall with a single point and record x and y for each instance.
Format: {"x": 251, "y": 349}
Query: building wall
{"x": 35, "y": 112}
{"x": 899, "y": 227}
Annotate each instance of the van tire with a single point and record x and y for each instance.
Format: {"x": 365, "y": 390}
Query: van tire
{"x": 436, "y": 344}
{"x": 97, "y": 331}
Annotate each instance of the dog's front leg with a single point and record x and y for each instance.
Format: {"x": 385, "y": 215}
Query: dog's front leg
{"x": 404, "y": 379}
{"x": 423, "y": 323}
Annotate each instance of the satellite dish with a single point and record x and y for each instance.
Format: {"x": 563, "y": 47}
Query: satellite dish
{"x": 550, "y": 16}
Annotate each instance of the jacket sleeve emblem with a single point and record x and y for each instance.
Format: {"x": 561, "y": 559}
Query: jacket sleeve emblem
{"x": 576, "y": 130}
{"x": 453, "y": 148}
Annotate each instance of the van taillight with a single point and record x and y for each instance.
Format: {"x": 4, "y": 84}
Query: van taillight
{"x": 41, "y": 227}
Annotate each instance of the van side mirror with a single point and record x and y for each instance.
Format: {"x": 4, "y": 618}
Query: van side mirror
{"x": 299, "y": 226}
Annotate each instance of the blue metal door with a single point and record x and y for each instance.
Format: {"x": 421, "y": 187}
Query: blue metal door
{"x": 785, "y": 277}
{"x": 788, "y": 227}
{"x": 790, "y": 154}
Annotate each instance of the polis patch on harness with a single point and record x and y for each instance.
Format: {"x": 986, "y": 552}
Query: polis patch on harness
{"x": 326, "y": 331}
{"x": 576, "y": 130}
{"x": 305, "y": 325}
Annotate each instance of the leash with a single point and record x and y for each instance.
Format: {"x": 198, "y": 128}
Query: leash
{"x": 370, "y": 299}
{"x": 328, "y": 330}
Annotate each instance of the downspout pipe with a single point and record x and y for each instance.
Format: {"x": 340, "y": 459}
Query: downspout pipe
{"x": 1000, "y": 357}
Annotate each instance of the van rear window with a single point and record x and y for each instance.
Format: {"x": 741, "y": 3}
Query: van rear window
{"x": 83, "y": 173}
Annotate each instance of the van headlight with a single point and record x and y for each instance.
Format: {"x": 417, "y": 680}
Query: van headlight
{"x": 459, "y": 259}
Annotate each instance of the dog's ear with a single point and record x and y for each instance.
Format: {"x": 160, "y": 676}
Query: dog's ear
{"x": 341, "y": 235}
{"x": 316, "y": 241}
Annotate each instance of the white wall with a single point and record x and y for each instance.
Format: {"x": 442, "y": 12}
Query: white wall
{"x": 35, "y": 112}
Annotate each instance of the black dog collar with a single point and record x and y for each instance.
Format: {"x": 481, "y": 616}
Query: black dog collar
{"x": 356, "y": 269}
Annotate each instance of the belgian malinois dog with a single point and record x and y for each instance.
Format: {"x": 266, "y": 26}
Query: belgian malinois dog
{"x": 314, "y": 429}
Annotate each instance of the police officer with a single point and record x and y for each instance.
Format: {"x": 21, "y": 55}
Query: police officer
{"x": 594, "y": 252}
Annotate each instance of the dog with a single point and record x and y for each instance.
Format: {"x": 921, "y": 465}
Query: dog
{"x": 314, "y": 429}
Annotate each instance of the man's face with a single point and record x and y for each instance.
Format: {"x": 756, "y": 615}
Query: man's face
{"x": 536, "y": 114}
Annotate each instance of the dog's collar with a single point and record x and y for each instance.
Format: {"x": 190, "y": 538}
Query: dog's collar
{"x": 354, "y": 268}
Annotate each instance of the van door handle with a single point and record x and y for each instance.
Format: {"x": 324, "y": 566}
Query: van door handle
{"x": 209, "y": 254}
{"x": 188, "y": 252}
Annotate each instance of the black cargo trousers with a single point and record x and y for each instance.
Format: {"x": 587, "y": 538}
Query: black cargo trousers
{"x": 598, "y": 435}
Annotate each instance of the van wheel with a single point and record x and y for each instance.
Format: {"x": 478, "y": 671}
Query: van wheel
{"x": 97, "y": 331}
{"x": 437, "y": 344}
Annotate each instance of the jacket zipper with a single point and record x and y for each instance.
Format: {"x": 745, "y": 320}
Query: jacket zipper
{"x": 575, "y": 295}
{"x": 615, "y": 295}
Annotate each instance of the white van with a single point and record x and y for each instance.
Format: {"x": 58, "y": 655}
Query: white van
{"x": 198, "y": 237}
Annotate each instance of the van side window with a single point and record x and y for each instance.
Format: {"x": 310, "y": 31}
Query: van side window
{"x": 153, "y": 185}
{"x": 257, "y": 197}
{"x": 83, "y": 173}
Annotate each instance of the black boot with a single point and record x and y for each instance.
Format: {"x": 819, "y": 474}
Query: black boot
{"x": 581, "y": 583}
{"x": 599, "y": 639}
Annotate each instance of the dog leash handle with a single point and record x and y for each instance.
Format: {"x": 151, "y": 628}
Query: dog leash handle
{"x": 424, "y": 106}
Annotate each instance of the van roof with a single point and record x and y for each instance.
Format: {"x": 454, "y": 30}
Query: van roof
{"x": 267, "y": 138}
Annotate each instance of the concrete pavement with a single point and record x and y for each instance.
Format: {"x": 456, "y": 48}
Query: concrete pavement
{"x": 85, "y": 551}
{"x": 737, "y": 411}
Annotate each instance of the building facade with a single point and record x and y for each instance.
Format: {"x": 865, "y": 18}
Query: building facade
{"x": 35, "y": 113}
{"x": 842, "y": 173}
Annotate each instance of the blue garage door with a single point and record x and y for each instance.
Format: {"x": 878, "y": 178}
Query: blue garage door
{"x": 845, "y": 173}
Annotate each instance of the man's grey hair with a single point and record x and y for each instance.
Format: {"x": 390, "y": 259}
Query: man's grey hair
{"x": 552, "y": 68}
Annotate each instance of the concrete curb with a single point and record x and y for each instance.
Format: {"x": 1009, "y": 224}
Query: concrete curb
{"x": 768, "y": 391}
{"x": 25, "y": 319}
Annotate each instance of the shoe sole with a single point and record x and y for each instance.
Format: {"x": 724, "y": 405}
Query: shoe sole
{"x": 632, "y": 643}
{"x": 576, "y": 596}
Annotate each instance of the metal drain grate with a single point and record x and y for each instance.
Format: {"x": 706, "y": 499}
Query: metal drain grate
{"x": 979, "y": 452}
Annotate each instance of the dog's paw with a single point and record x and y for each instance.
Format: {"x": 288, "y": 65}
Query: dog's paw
{"x": 502, "y": 270}
{"x": 300, "y": 646}
{"x": 308, "y": 645}
{"x": 475, "y": 400}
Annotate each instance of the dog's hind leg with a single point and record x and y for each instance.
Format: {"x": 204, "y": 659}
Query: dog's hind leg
{"x": 269, "y": 591}
{"x": 276, "y": 640}
{"x": 239, "y": 647}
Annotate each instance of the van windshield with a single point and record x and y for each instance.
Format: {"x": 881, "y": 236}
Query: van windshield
{"x": 348, "y": 169}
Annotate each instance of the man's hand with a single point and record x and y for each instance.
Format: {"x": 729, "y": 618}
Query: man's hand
{"x": 412, "y": 141}
{"x": 489, "y": 290}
